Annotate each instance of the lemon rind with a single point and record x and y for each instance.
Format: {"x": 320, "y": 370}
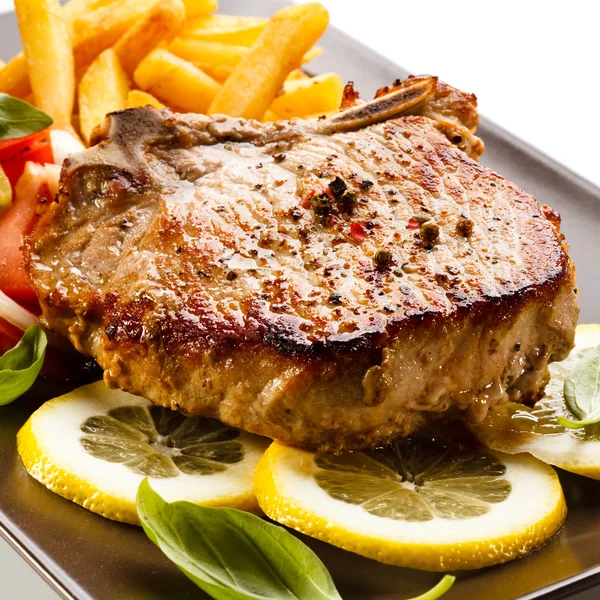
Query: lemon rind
{"x": 429, "y": 557}
{"x": 74, "y": 488}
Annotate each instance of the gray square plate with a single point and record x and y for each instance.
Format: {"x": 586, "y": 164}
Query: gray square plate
{"x": 86, "y": 557}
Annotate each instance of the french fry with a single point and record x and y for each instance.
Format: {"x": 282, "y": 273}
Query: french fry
{"x": 312, "y": 53}
{"x": 104, "y": 88}
{"x": 98, "y": 30}
{"x": 215, "y": 58}
{"x": 297, "y": 74}
{"x": 14, "y": 78}
{"x": 176, "y": 81}
{"x": 260, "y": 74}
{"x": 219, "y": 59}
{"x": 161, "y": 23}
{"x": 75, "y": 8}
{"x": 271, "y": 116}
{"x": 316, "y": 95}
{"x": 138, "y": 98}
{"x": 195, "y": 8}
{"x": 98, "y": 24}
{"x": 49, "y": 55}
{"x": 227, "y": 29}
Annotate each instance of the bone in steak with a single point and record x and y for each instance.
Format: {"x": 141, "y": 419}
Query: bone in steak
{"x": 329, "y": 283}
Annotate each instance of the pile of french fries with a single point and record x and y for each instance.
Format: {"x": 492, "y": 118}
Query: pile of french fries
{"x": 88, "y": 58}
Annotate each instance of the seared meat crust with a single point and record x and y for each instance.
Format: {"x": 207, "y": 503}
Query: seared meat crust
{"x": 192, "y": 257}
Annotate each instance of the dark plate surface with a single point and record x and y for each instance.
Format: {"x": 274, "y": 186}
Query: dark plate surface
{"x": 86, "y": 557}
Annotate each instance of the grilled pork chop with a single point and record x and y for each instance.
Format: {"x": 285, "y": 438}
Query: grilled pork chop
{"x": 329, "y": 283}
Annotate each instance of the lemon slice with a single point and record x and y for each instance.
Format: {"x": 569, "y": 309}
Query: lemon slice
{"x": 514, "y": 428}
{"x": 417, "y": 503}
{"x": 95, "y": 445}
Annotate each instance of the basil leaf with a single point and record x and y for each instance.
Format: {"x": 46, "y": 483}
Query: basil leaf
{"x": 18, "y": 118}
{"x": 582, "y": 390}
{"x": 233, "y": 555}
{"x": 20, "y": 366}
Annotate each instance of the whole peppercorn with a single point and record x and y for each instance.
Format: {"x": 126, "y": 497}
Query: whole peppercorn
{"x": 382, "y": 258}
{"x": 338, "y": 187}
{"x": 335, "y": 298}
{"x": 348, "y": 200}
{"x": 429, "y": 232}
{"x": 464, "y": 226}
{"x": 321, "y": 204}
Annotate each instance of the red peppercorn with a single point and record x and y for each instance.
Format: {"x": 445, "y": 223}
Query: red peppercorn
{"x": 413, "y": 224}
{"x": 305, "y": 202}
{"x": 357, "y": 232}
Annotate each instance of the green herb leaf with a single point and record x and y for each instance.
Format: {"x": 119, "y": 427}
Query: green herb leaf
{"x": 233, "y": 555}
{"x": 582, "y": 391}
{"x": 18, "y": 118}
{"x": 20, "y": 366}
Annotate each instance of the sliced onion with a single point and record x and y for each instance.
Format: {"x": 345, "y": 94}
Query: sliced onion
{"x": 35, "y": 176}
{"x": 15, "y": 314}
{"x": 64, "y": 144}
{"x": 21, "y": 318}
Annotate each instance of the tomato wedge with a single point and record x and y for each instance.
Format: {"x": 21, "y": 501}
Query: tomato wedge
{"x": 37, "y": 184}
{"x": 15, "y": 153}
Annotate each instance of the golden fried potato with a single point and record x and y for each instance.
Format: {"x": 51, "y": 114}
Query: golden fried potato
{"x": 313, "y": 53}
{"x": 98, "y": 30}
{"x": 219, "y": 59}
{"x": 260, "y": 74}
{"x": 195, "y": 8}
{"x": 14, "y": 77}
{"x": 214, "y": 58}
{"x": 160, "y": 24}
{"x": 75, "y": 8}
{"x": 297, "y": 74}
{"x": 315, "y": 95}
{"x": 176, "y": 81}
{"x": 271, "y": 116}
{"x": 47, "y": 46}
{"x": 137, "y": 98}
{"x": 227, "y": 29}
{"x": 104, "y": 88}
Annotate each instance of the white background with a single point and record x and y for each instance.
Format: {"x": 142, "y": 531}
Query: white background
{"x": 533, "y": 65}
{"x": 534, "y": 68}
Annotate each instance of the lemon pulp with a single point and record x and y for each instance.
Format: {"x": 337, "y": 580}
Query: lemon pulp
{"x": 415, "y": 479}
{"x": 157, "y": 442}
{"x": 418, "y": 503}
{"x": 95, "y": 445}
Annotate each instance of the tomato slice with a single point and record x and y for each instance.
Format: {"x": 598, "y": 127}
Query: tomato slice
{"x": 18, "y": 222}
{"x": 15, "y": 153}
